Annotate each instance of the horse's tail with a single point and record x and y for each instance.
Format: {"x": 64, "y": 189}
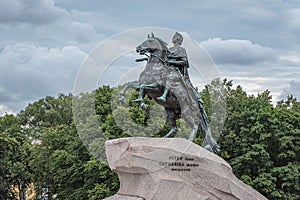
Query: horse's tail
{"x": 210, "y": 143}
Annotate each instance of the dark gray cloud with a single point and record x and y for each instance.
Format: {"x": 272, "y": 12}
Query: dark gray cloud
{"x": 28, "y": 72}
{"x": 43, "y": 41}
{"x": 30, "y": 11}
{"x": 269, "y": 23}
{"x": 266, "y": 22}
{"x": 42, "y": 23}
{"x": 241, "y": 52}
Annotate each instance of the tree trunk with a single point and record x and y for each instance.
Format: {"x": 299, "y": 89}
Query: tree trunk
{"x": 22, "y": 191}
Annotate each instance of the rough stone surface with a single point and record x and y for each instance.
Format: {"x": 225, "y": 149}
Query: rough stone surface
{"x": 172, "y": 168}
{"x": 123, "y": 197}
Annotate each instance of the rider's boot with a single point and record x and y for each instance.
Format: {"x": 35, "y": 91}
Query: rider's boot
{"x": 164, "y": 95}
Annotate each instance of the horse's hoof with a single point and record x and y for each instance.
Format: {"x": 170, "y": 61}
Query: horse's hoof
{"x": 143, "y": 106}
{"x": 208, "y": 147}
{"x": 161, "y": 99}
{"x": 217, "y": 148}
{"x": 214, "y": 149}
{"x": 137, "y": 101}
{"x": 122, "y": 100}
{"x": 171, "y": 133}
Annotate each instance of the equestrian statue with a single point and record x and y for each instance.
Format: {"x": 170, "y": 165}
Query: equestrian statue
{"x": 166, "y": 80}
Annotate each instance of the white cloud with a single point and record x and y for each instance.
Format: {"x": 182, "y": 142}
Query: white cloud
{"x": 29, "y": 72}
{"x": 294, "y": 18}
{"x": 259, "y": 77}
{"x": 5, "y": 110}
{"x": 258, "y": 84}
{"x": 234, "y": 51}
{"x": 292, "y": 89}
{"x": 69, "y": 32}
{"x": 289, "y": 58}
{"x": 256, "y": 68}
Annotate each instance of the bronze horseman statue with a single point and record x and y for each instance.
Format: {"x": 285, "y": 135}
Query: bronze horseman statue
{"x": 166, "y": 80}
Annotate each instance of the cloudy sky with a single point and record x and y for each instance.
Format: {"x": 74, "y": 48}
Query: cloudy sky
{"x": 44, "y": 42}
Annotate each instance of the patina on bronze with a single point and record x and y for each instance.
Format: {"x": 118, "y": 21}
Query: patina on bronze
{"x": 165, "y": 79}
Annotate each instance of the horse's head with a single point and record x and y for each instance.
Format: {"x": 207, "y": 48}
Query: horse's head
{"x": 151, "y": 45}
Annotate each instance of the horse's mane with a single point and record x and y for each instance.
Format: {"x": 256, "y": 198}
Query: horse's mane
{"x": 162, "y": 43}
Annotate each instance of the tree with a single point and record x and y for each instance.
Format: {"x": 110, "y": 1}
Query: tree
{"x": 44, "y": 113}
{"x": 14, "y": 158}
{"x": 261, "y": 142}
{"x": 42, "y": 145}
{"x": 58, "y": 163}
{"x": 101, "y": 182}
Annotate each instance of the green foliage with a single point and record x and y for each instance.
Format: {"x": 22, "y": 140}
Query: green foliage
{"x": 261, "y": 142}
{"x": 42, "y": 146}
{"x": 101, "y": 180}
{"x": 60, "y": 155}
{"x": 14, "y": 159}
{"x": 215, "y": 104}
{"x": 44, "y": 113}
{"x": 103, "y": 99}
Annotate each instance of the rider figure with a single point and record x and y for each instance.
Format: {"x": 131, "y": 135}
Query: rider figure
{"x": 178, "y": 62}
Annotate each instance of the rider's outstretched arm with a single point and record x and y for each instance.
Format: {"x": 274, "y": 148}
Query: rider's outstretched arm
{"x": 141, "y": 59}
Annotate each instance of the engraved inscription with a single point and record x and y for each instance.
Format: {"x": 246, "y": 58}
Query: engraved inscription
{"x": 180, "y": 163}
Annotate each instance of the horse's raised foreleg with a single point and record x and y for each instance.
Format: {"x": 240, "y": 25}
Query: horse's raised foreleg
{"x": 142, "y": 87}
{"x": 133, "y": 84}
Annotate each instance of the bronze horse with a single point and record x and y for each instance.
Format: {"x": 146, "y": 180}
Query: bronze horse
{"x": 180, "y": 102}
